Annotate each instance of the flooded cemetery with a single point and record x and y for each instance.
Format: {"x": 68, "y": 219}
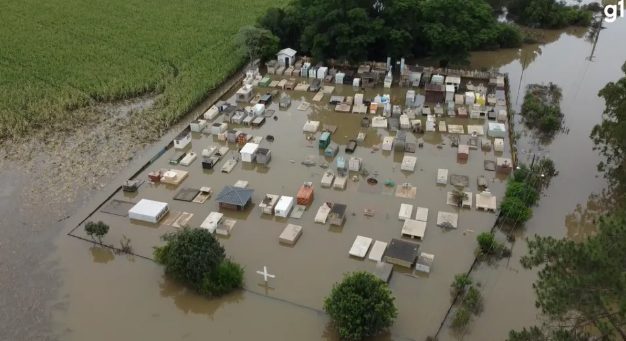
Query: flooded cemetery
{"x": 372, "y": 205}
{"x": 316, "y": 173}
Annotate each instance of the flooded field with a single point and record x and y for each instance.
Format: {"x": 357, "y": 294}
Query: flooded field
{"x": 306, "y": 272}
{"x": 98, "y": 295}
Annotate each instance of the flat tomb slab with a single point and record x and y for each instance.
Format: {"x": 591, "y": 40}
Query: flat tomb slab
{"x": 478, "y": 129}
{"x": 456, "y": 129}
{"x": 298, "y": 211}
{"x": 290, "y": 234}
{"x": 414, "y": 228}
{"x": 447, "y": 219}
{"x": 490, "y": 165}
{"x": 406, "y": 210}
{"x": 406, "y": 191}
{"x": 360, "y": 246}
{"x": 459, "y": 180}
{"x": 377, "y": 251}
{"x": 203, "y": 196}
{"x": 186, "y": 194}
{"x": 182, "y": 220}
{"x": 117, "y": 207}
{"x": 421, "y": 214}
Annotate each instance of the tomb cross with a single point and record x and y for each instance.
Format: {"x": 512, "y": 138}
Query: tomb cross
{"x": 265, "y": 274}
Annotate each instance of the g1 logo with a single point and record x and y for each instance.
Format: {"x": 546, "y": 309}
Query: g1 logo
{"x": 611, "y": 11}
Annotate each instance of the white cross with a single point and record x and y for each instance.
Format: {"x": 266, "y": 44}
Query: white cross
{"x": 265, "y": 274}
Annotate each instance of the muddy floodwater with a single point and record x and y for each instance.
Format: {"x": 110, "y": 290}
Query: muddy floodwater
{"x": 62, "y": 287}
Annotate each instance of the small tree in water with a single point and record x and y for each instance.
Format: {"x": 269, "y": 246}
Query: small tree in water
{"x": 360, "y": 306}
{"x": 196, "y": 258}
{"x": 96, "y": 230}
{"x": 458, "y": 196}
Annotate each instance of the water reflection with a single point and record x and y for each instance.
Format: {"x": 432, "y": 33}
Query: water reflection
{"x": 190, "y": 302}
{"x": 101, "y": 254}
{"x": 582, "y": 222}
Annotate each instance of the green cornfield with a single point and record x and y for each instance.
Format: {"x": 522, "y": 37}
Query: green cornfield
{"x": 60, "y": 55}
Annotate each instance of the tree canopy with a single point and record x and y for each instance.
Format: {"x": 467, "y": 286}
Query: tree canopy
{"x": 582, "y": 285}
{"x": 196, "y": 258}
{"x": 357, "y": 30}
{"x": 360, "y": 306}
{"x": 255, "y": 42}
{"x": 547, "y": 13}
{"x": 96, "y": 230}
{"x": 610, "y": 135}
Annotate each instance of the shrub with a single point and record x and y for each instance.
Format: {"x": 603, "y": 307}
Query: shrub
{"x": 514, "y": 210}
{"x": 509, "y": 36}
{"x": 227, "y": 277}
{"x": 522, "y": 191}
{"x": 461, "y": 281}
{"x": 196, "y": 258}
{"x": 461, "y": 318}
{"x": 360, "y": 306}
{"x": 473, "y": 300}
{"x": 96, "y": 230}
{"x": 487, "y": 243}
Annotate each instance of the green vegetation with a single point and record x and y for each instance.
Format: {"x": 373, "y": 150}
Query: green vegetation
{"x": 360, "y": 306}
{"x": 61, "y": 55}
{"x": 359, "y": 30}
{"x": 255, "y": 42}
{"x": 581, "y": 286}
{"x": 470, "y": 301}
{"x": 488, "y": 246}
{"x": 522, "y": 191}
{"x": 541, "y": 109}
{"x": 96, "y": 230}
{"x": 610, "y": 135}
{"x": 458, "y": 196}
{"x": 547, "y": 13}
{"x": 195, "y": 258}
{"x": 515, "y": 211}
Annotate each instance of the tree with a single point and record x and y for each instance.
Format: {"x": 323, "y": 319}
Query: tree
{"x": 357, "y": 30}
{"x": 255, "y": 42}
{"x": 460, "y": 283}
{"x": 196, "y": 258}
{"x": 458, "y": 196}
{"x": 548, "y": 13}
{"x": 581, "y": 287}
{"x": 523, "y": 191}
{"x": 487, "y": 243}
{"x": 360, "y": 306}
{"x": 515, "y": 211}
{"x": 96, "y": 230}
{"x": 609, "y": 136}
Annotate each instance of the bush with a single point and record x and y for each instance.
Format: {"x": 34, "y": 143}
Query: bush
{"x": 196, "y": 258}
{"x": 473, "y": 300}
{"x": 509, "y": 36}
{"x": 487, "y": 243}
{"x": 96, "y": 230}
{"x": 227, "y": 277}
{"x": 461, "y": 318}
{"x": 514, "y": 210}
{"x": 522, "y": 191}
{"x": 360, "y": 306}
{"x": 461, "y": 281}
